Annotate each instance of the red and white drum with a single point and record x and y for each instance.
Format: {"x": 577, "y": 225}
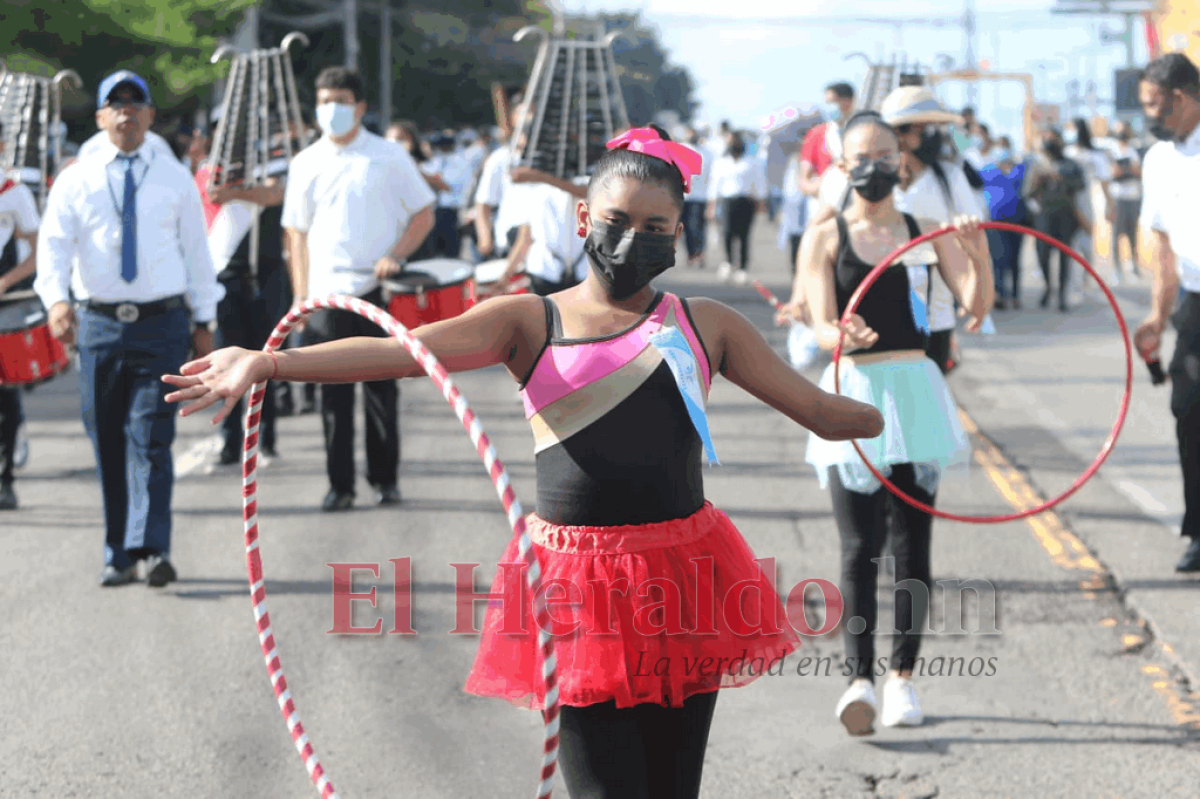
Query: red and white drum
{"x": 430, "y": 291}
{"x": 28, "y": 353}
{"x": 487, "y": 280}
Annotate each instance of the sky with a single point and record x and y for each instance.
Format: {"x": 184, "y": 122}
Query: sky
{"x": 753, "y": 57}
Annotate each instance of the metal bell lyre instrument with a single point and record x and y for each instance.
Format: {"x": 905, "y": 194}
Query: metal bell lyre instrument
{"x": 572, "y": 106}
{"x": 31, "y": 113}
{"x": 260, "y": 129}
{"x": 882, "y": 78}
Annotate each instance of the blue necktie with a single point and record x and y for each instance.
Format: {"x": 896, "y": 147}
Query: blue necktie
{"x": 129, "y": 223}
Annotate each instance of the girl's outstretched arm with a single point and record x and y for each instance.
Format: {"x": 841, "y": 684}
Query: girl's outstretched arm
{"x": 742, "y": 355}
{"x": 496, "y": 331}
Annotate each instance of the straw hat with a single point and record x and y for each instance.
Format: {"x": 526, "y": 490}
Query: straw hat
{"x": 914, "y": 105}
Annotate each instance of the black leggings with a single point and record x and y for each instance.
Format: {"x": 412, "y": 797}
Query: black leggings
{"x": 739, "y": 215}
{"x": 1061, "y": 225}
{"x": 642, "y": 752}
{"x": 863, "y": 521}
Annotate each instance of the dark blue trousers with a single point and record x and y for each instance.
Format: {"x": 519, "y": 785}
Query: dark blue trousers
{"x": 695, "y": 227}
{"x": 131, "y": 425}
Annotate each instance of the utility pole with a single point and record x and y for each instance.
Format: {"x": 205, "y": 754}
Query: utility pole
{"x": 385, "y": 65}
{"x": 350, "y": 7}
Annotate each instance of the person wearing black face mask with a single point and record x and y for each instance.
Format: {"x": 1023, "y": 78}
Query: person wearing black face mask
{"x": 1170, "y": 95}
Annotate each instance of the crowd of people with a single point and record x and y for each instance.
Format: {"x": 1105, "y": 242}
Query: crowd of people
{"x": 156, "y": 272}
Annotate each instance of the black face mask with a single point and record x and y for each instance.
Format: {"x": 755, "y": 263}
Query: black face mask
{"x": 626, "y": 261}
{"x": 1155, "y": 124}
{"x": 930, "y": 149}
{"x": 873, "y": 181}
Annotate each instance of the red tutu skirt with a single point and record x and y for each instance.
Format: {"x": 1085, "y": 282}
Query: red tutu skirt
{"x": 639, "y": 613}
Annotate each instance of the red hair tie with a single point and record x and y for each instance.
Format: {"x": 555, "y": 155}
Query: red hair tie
{"x": 647, "y": 141}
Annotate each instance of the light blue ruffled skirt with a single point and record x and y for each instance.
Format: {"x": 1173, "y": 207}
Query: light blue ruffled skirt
{"x": 920, "y": 424}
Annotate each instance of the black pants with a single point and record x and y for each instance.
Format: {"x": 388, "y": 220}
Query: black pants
{"x": 10, "y": 420}
{"x": 381, "y": 406}
{"x": 245, "y": 318}
{"x": 1061, "y": 225}
{"x": 643, "y": 752}
{"x": 794, "y": 244}
{"x": 1185, "y": 405}
{"x": 739, "y": 216}
{"x": 939, "y": 348}
{"x": 1126, "y": 224}
{"x": 447, "y": 241}
{"x": 864, "y": 522}
{"x": 695, "y": 226}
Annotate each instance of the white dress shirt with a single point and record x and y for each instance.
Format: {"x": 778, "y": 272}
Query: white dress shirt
{"x": 1170, "y": 198}
{"x": 556, "y": 245}
{"x": 925, "y": 199}
{"x": 18, "y": 213}
{"x": 701, "y": 183}
{"x": 1130, "y": 189}
{"x": 79, "y": 244}
{"x": 497, "y": 190}
{"x": 741, "y": 177}
{"x": 456, "y": 172}
{"x": 354, "y": 202}
{"x": 100, "y": 141}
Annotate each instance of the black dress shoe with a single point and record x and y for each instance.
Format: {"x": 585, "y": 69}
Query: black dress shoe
{"x": 8, "y": 497}
{"x": 1190, "y": 562}
{"x": 338, "y": 500}
{"x": 161, "y": 572}
{"x": 112, "y": 576}
{"x": 1045, "y": 303}
{"x": 389, "y": 496}
{"x": 228, "y": 457}
{"x": 268, "y": 452}
{"x": 1001, "y": 305}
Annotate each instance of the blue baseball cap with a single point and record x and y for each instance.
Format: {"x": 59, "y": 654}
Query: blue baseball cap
{"x": 124, "y": 76}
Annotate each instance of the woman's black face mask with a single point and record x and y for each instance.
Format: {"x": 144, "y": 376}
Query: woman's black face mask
{"x": 874, "y": 180}
{"x": 625, "y": 261}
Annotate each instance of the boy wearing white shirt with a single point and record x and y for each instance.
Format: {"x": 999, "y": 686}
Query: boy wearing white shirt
{"x": 355, "y": 209}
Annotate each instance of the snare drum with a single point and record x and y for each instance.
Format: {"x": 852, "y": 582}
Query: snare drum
{"x": 487, "y": 279}
{"x": 429, "y": 291}
{"x": 28, "y": 353}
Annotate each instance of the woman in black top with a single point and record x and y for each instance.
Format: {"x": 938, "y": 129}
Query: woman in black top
{"x": 887, "y": 367}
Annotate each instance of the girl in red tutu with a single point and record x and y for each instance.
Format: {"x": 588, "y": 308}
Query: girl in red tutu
{"x": 666, "y": 602}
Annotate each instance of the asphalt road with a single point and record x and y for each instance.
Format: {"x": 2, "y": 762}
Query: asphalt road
{"x": 134, "y": 692}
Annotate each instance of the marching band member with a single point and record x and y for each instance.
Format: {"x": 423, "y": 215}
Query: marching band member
{"x": 18, "y": 228}
{"x": 124, "y": 231}
{"x": 355, "y": 209}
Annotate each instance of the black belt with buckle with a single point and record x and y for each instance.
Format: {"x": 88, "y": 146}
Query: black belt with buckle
{"x": 133, "y": 311}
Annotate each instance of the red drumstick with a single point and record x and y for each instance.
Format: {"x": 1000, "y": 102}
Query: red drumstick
{"x": 767, "y": 295}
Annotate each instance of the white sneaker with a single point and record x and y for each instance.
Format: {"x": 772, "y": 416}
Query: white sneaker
{"x": 724, "y": 271}
{"x": 900, "y": 705}
{"x": 856, "y": 709}
{"x": 21, "y": 450}
{"x": 740, "y": 277}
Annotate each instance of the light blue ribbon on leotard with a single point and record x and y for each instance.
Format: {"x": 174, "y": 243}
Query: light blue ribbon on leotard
{"x": 678, "y": 354}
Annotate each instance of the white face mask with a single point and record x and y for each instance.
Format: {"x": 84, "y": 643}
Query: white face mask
{"x": 336, "y": 119}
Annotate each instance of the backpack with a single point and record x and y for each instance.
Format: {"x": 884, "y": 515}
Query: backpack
{"x": 1058, "y": 193}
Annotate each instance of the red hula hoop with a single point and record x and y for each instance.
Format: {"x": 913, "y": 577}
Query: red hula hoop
{"x": 1109, "y": 443}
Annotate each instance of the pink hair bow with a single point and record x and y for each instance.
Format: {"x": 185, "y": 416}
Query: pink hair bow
{"x": 648, "y": 142}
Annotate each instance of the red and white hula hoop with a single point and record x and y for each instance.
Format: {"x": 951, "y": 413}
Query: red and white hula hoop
{"x": 516, "y": 518}
{"x": 1109, "y": 443}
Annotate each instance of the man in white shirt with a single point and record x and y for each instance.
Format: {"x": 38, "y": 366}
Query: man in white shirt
{"x": 695, "y": 224}
{"x": 18, "y": 231}
{"x": 124, "y": 232}
{"x": 355, "y": 209}
{"x": 548, "y": 246}
{"x": 1170, "y": 95}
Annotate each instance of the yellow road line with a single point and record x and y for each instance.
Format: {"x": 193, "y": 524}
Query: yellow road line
{"x": 1069, "y": 552}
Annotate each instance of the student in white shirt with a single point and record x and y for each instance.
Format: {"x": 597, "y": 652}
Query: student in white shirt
{"x": 1125, "y": 191}
{"x": 495, "y": 232}
{"x": 1093, "y": 201}
{"x": 695, "y": 228}
{"x": 1170, "y": 95}
{"x": 454, "y": 172}
{"x": 124, "y": 232}
{"x": 740, "y": 185}
{"x": 356, "y": 208}
{"x": 548, "y": 247}
{"x": 18, "y": 233}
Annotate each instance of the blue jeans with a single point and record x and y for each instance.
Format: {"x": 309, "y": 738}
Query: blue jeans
{"x": 131, "y": 425}
{"x": 695, "y": 227}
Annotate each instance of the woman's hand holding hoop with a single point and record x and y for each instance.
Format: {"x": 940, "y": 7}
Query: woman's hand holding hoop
{"x": 973, "y": 242}
{"x": 858, "y": 335}
{"x": 226, "y": 374}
